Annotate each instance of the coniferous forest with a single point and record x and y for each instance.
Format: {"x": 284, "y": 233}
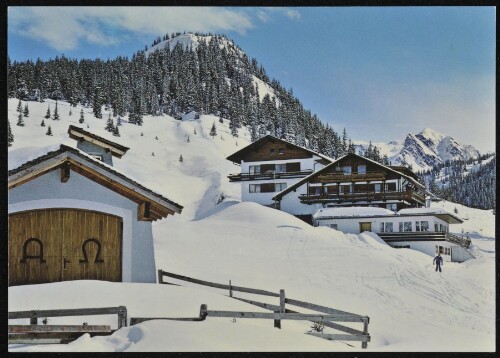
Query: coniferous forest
{"x": 216, "y": 77}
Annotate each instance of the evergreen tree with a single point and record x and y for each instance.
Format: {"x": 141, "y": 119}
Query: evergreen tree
{"x": 116, "y": 131}
{"x": 47, "y": 115}
{"x": 213, "y": 131}
{"x": 20, "y": 120}
{"x": 26, "y": 110}
{"x": 188, "y": 139}
{"x": 82, "y": 118}
{"x": 70, "y": 113}
{"x": 221, "y": 120}
{"x": 119, "y": 121}
{"x": 19, "y": 107}
{"x": 43, "y": 123}
{"x": 10, "y": 136}
{"x": 181, "y": 159}
{"x": 97, "y": 102}
{"x": 109, "y": 124}
{"x": 49, "y": 131}
{"x": 56, "y": 115}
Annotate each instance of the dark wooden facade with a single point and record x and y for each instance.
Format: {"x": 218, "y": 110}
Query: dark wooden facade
{"x": 53, "y": 245}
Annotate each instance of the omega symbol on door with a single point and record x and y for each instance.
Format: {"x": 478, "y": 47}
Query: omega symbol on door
{"x": 97, "y": 258}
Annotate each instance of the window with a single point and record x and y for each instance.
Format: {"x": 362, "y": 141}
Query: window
{"x": 390, "y": 187}
{"x": 405, "y": 226}
{"x": 401, "y": 246}
{"x": 280, "y": 168}
{"x": 447, "y": 251}
{"x": 344, "y": 189}
{"x": 333, "y": 226}
{"x": 347, "y": 169}
{"x": 377, "y": 188}
{"x": 361, "y": 169}
{"x": 439, "y": 249}
{"x": 386, "y": 227}
{"x": 271, "y": 151}
{"x": 392, "y": 207}
{"x": 254, "y": 169}
{"x": 436, "y": 227}
{"x": 280, "y": 186}
{"x": 254, "y": 188}
{"x": 281, "y": 151}
{"x": 421, "y": 226}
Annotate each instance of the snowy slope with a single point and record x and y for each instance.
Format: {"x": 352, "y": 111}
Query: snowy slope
{"x": 411, "y": 307}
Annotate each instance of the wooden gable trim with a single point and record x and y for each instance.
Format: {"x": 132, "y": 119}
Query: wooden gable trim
{"x": 82, "y": 137}
{"x": 65, "y": 172}
{"x": 157, "y": 210}
{"x": 36, "y": 172}
{"x": 144, "y": 211}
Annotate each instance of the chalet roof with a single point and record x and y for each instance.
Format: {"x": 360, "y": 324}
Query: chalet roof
{"x": 367, "y": 212}
{"x": 307, "y": 178}
{"x": 78, "y": 133}
{"x": 238, "y": 156}
{"x": 97, "y": 171}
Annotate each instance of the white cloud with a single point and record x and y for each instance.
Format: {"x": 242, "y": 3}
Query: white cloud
{"x": 267, "y": 14}
{"x": 63, "y": 28}
{"x": 293, "y": 14}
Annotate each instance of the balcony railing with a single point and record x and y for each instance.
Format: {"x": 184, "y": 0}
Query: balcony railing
{"x": 425, "y": 235}
{"x": 269, "y": 175}
{"x": 350, "y": 197}
{"x": 346, "y": 177}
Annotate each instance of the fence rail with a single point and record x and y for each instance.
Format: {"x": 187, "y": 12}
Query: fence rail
{"x": 279, "y": 312}
{"x": 35, "y": 334}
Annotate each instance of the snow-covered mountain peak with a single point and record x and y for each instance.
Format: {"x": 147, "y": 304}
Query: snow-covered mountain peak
{"x": 431, "y": 134}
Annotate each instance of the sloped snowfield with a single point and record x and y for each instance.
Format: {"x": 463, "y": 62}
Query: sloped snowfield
{"x": 411, "y": 307}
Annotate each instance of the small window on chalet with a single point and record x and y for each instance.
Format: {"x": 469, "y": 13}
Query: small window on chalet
{"x": 254, "y": 188}
{"x": 347, "y": 169}
{"x": 280, "y": 186}
{"x": 436, "y": 227}
{"x": 390, "y": 187}
{"x": 271, "y": 151}
{"x": 280, "y": 168}
{"x": 254, "y": 169}
{"x": 405, "y": 226}
{"x": 361, "y": 169}
{"x": 386, "y": 227}
{"x": 392, "y": 207}
{"x": 421, "y": 226}
{"x": 281, "y": 151}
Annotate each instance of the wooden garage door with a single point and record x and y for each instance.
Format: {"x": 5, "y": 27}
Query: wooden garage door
{"x": 64, "y": 244}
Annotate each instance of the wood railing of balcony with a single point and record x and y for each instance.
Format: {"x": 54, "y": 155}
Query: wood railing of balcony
{"x": 394, "y": 195}
{"x": 352, "y": 177}
{"x": 425, "y": 235}
{"x": 269, "y": 175}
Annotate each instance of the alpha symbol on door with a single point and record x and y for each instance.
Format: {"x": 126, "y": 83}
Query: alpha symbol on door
{"x": 97, "y": 258}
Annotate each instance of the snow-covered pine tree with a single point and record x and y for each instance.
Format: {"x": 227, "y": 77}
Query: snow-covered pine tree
{"x": 56, "y": 115}
{"x": 213, "y": 130}
{"x": 26, "y": 110}
{"x": 116, "y": 131}
{"x": 119, "y": 121}
{"x": 47, "y": 115}
{"x": 82, "y": 118}
{"x": 97, "y": 102}
{"x": 10, "y": 135}
{"x": 49, "y": 131}
{"x": 70, "y": 113}
{"x": 109, "y": 124}
{"x": 19, "y": 107}
{"x": 43, "y": 123}
{"x": 20, "y": 120}
{"x": 181, "y": 159}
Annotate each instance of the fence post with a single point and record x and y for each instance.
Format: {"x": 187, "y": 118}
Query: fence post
{"x": 203, "y": 313}
{"x": 230, "y": 289}
{"x": 277, "y": 322}
{"x": 33, "y": 318}
{"x": 364, "y": 345}
{"x": 160, "y": 276}
{"x": 122, "y": 317}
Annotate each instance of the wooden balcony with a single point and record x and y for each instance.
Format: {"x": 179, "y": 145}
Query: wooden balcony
{"x": 269, "y": 175}
{"x": 465, "y": 242}
{"x": 409, "y": 196}
{"x": 352, "y": 177}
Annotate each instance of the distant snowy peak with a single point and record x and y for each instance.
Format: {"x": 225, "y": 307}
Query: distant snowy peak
{"x": 429, "y": 148}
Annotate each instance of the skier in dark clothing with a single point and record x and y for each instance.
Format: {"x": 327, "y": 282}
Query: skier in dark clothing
{"x": 438, "y": 260}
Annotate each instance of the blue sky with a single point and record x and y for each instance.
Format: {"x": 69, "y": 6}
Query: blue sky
{"x": 380, "y": 72}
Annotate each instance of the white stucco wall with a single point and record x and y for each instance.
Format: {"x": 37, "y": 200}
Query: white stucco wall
{"x": 291, "y": 204}
{"x": 47, "y": 191}
{"x": 351, "y": 225}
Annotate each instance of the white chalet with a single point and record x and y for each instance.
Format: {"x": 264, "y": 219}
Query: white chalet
{"x": 270, "y": 165}
{"x": 422, "y": 229}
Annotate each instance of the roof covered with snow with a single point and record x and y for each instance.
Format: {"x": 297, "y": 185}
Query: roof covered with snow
{"x": 438, "y": 212}
{"x": 355, "y": 211}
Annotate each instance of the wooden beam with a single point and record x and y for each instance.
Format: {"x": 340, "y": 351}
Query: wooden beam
{"x": 58, "y": 328}
{"x": 281, "y": 316}
{"x": 342, "y": 337}
{"x": 65, "y": 172}
{"x": 67, "y": 312}
{"x": 144, "y": 211}
{"x": 22, "y": 179}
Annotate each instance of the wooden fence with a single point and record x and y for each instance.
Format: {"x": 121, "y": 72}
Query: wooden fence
{"x": 34, "y": 333}
{"x": 279, "y": 312}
